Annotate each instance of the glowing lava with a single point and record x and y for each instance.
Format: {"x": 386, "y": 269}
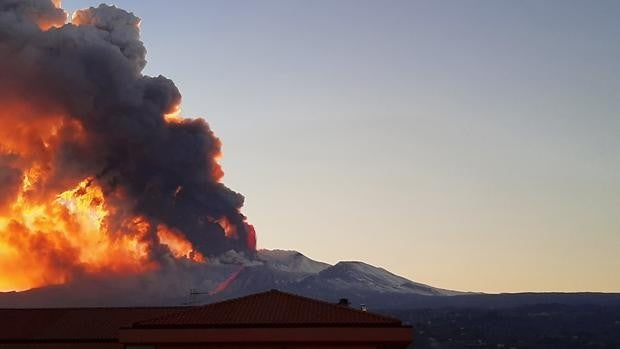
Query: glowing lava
{"x": 178, "y": 245}
{"x": 44, "y": 243}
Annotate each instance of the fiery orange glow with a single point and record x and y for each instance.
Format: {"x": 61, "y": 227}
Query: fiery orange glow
{"x": 45, "y": 243}
{"x": 227, "y": 282}
{"x": 56, "y": 21}
{"x": 52, "y": 228}
{"x": 174, "y": 115}
{"x": 251, "y": 236}
{"x": 229, "y": 229}
{"x": 178, "y": 244}
{"x": 95, "y": 181}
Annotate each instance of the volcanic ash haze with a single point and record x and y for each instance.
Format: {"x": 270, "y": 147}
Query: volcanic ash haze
{"x": 98, "y": 175}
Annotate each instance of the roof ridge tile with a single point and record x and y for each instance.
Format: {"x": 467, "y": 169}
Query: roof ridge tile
{"x": 272, "y": 307}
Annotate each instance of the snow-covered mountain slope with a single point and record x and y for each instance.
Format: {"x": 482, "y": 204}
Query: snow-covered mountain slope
{"x": 270, "y": 269}
{"x": 290, "y": 261}
{"x": 292, "y": 271}
{"x": 359, "y": 277}
{"x": 234, "y": 274}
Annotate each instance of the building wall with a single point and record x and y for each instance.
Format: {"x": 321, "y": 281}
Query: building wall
{"x": 61, "y": 345}
{"x": 281, "y": 346}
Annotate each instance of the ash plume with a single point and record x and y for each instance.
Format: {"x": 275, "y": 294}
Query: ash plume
{"x": 76, "y": 105}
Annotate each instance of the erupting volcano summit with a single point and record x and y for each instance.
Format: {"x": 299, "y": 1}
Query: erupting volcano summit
{"x": 98, "y": 174}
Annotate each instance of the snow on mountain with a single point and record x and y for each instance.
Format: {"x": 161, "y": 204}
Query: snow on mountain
{"x": 292, "y": 271}
{"x": 270, "y": 269}
{"x": 359, "y": 277}
{"x": 290, "y": 261}
{"x": 234, "y": 274}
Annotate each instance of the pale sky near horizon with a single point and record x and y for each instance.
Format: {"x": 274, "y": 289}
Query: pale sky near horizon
{"x": 470, "y": 145}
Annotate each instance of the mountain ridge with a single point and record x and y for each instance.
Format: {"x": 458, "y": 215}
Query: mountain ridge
{"x": 233, "y": 274}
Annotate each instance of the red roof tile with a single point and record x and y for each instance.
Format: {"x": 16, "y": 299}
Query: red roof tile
{"x": 75, "y": 324}
{"x": 273, "y": 308}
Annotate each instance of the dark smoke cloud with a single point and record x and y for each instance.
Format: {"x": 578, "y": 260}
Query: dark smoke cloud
{"x": 41, "y": 12}
{"x": 90, "y": 70}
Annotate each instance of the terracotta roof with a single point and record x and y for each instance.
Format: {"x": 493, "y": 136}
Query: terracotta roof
{"x": 269, "y": 309}
{"x": 73, "y": 324}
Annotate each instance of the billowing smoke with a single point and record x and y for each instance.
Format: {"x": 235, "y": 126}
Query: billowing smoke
{"x": 77, "y": 112}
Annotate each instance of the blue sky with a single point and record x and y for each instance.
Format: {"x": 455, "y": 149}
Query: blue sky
{"x": 472, "y": 145}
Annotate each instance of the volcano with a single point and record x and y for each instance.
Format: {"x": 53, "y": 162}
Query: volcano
{"x": 234, "y": 275}
{"x": 109, "y": 196}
